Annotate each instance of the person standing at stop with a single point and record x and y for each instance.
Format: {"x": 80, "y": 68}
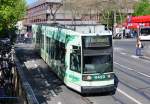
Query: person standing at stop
{"x": 138, "y": 47}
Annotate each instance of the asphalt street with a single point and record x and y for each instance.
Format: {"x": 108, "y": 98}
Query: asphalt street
{"x": 132, "y": 72}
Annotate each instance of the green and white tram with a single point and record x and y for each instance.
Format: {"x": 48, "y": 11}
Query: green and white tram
{"x": 84, "y": 62}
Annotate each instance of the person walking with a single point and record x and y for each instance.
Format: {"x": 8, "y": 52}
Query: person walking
{"x": 138, "y": 47}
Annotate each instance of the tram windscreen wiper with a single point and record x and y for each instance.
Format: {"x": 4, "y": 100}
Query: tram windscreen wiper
{"x": 97, "y": 64}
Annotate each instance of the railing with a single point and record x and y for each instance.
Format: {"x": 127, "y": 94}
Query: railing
{"x": 24, "y": 88}
{"x": 14, "y": 88}
{"x": 23, "y": 93}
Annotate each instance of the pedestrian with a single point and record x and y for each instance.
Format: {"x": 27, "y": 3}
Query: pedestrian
{"x": 138, "y": 47}
{"x": 25, "y": 37}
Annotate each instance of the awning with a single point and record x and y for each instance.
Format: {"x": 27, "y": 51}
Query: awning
{"x": 132, "y": 25}
{"x": 137, "y": 25}
{"x": 140, "y": 19}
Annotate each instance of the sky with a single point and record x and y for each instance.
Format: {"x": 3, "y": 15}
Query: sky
{"x": 30, "y": 1}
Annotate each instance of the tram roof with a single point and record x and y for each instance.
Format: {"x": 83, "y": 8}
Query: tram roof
{"x": 98, "y": 34}
{"x": 72, "y": 32}
{"x": 101, "y": 33}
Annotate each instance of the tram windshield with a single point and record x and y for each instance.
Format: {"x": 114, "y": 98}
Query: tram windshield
{"x": 97, "y": 64}
{"x": 145, "y": 31}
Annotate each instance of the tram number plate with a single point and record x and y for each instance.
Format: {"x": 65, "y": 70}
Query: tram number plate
{"x": 100, "y": 77}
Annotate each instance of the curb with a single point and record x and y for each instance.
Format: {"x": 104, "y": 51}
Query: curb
{"x": 145, "y": 57}
{"x": 30, "y": 96}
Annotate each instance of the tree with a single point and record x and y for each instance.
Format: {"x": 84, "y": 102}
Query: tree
{"x": 53, "y": 10}
{"x": 142, "y": 8}
{"x": 73, "y": 8}
{"x": 11, "y": 11}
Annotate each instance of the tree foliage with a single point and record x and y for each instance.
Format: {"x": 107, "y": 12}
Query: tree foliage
{"x": 142, "y": 8}
{"x": 10, "y": 12}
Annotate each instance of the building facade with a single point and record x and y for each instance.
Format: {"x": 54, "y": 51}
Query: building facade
{"x": 50, "y": 11}
{"x": 53, "y": 11}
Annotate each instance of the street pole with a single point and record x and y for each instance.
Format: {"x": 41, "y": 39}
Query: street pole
{"x": 112, "y": 23}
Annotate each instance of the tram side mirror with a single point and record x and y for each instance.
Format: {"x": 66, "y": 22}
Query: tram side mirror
{"x": 75, "y": 49}
{"x": 65, "y": 66}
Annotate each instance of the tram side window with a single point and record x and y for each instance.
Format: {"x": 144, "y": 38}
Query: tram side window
{"x": 57, "y": 54}
{"x": 49, "y": 52}
{"x": 62, "y": 52}
{"x": 52, "y": 48}
{"x": 75, "y": 62}
{"x": 47, "y": 44}
{"x": 37, "y": 38}
{"x": 42, "y": 41}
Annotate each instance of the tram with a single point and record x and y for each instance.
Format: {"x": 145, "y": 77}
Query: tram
{"x": 84, "y": 62}
{"x": 144, "y": 36}
{"x": 145, "y": 33}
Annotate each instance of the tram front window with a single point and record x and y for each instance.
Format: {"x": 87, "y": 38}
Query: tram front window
{"x": 97, "y": 64}
{"x": 145, "y": 31}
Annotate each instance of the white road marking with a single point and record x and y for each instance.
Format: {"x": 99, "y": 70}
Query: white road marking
{"x": 59, "y": 102}
{"x": 38, "y": 70}
{"x": 123, "y": 53}
{"x": 136, "y": 57}
{"x": 130, "y": 97}
{"x": 133, "y": 56}
{"x": 132, "y": 70}
{"x": 35, "y": 65}
{"x": 33, "y": 61}
{"x": 47, "y": 84}
{"x": 118, "y": 49}
{"x": 42, "y": 76}
{"x": 53, "y": 93}
{"x": 143, "y": 74}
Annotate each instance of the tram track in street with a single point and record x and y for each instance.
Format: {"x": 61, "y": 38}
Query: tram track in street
{"x": 132, "y": 72}
{"x": 140, "y": 92}
{"x": 118, "y": 101}
{"x": 134, "y": 76}
{"x": 136, "y": 90}
{"x": 86, "y": 100}
{"x": 140, "y": 77}
{"x": 131, "y": 69}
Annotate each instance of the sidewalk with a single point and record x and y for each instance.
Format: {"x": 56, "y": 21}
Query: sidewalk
{"x": 145, "y": 57}
{"x": 43, "y": 81}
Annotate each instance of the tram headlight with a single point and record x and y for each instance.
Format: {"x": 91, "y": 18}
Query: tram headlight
{"x": 87, "y": 77}
{"x": 109, "y": 76}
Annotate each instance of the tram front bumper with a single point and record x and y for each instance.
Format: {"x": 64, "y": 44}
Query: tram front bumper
{"x": 97, "y": 89}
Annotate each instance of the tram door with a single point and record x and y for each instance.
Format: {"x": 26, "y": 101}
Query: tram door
{"x": 75, "y": 64}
